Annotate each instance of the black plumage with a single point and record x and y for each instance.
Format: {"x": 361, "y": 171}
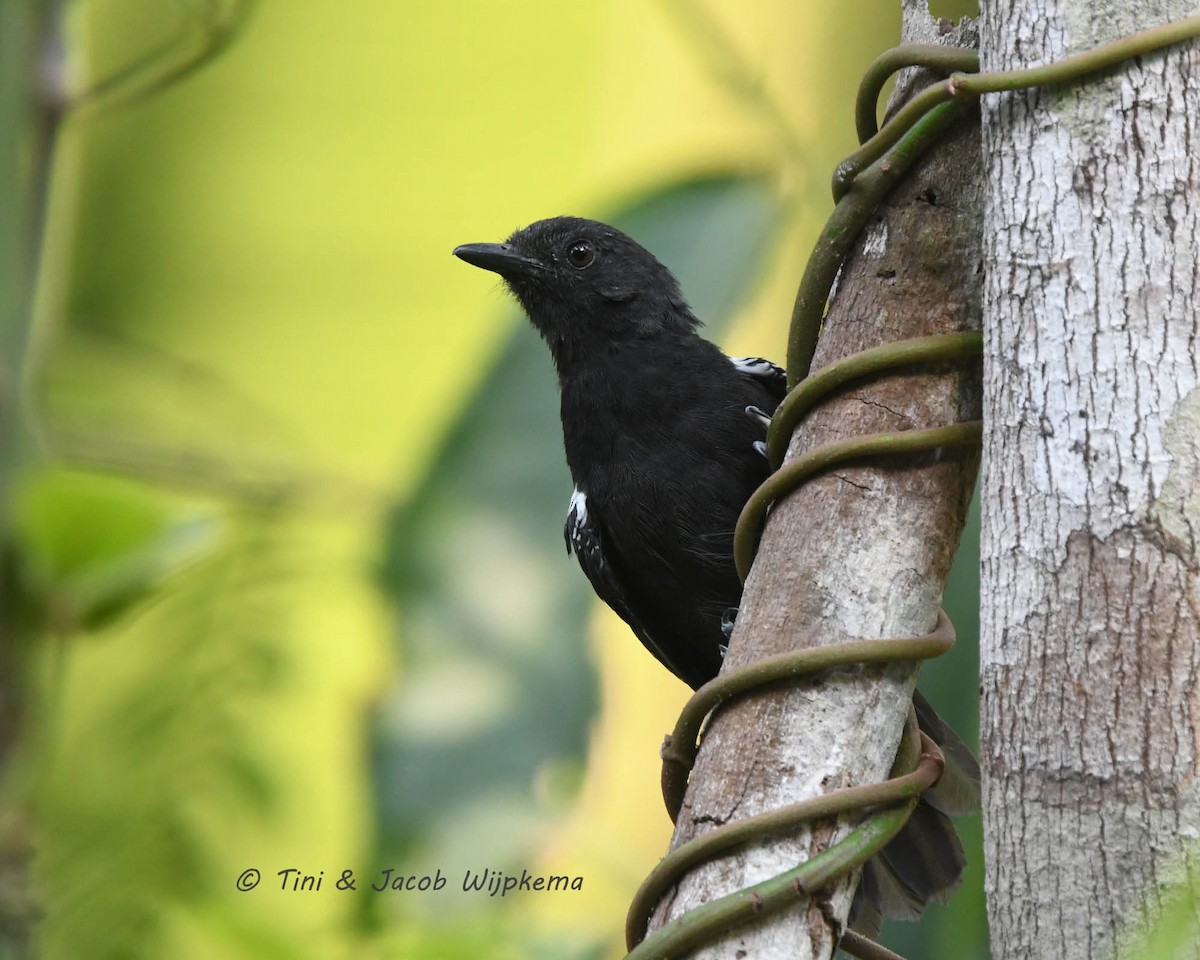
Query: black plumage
{"x": 663, "y": 434}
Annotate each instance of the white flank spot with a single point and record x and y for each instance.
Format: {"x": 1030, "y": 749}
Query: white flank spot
{"x": 578, "y": 506}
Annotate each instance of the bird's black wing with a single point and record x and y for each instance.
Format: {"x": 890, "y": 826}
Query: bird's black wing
{"x": 771, "y": 377}
{"x": 585, "y": 537}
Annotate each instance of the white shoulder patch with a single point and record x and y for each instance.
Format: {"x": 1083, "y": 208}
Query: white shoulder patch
{"x": 754, "y": 366}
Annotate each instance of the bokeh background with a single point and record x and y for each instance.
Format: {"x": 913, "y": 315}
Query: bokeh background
{"x": 284, "y": 578}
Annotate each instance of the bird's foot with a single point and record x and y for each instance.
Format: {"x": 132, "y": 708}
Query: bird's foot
{"x": 728, "y": 619}
{"x": 759, "y": 416}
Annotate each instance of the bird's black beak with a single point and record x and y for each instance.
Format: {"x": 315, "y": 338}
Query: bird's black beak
{"x": 499, "y": 258}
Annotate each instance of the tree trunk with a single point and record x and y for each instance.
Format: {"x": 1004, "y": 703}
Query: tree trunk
{"x": 1091, "y": 497}
{"x": 861, "y": 552}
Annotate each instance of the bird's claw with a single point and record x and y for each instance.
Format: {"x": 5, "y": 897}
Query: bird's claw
{"x": 728, "y": 619}
{"x": 759, "y": 416}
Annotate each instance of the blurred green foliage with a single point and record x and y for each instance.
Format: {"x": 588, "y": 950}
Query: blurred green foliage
{"x": 1173, "y": 932}
{"x": 177, "y": 753}
{"x": 88, "y": 546}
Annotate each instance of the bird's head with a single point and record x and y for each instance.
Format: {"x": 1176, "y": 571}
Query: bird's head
{"x": 585, "y": 284}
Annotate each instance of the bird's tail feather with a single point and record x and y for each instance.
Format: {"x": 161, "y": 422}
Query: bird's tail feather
{"x": 925, "y": 860}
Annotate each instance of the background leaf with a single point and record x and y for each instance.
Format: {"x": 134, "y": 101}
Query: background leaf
{"x": 90, "y": 546}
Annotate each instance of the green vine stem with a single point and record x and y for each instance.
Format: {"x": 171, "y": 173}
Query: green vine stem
{"x": 681, "y": 745}
{"x": 962, "y": 84}
{"x": 865, "y": 949}
{"x": 842, "y": 229}
{"x": 940, "y": 348}
{"x": 788, "y": 477}
{"x": 680, "y": 748}
{"x": 698, "y": 926}
{"x": 943, "y": 60}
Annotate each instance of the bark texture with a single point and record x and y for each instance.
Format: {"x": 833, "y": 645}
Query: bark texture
{"x": 1091, "y": 498}
{"x": 861, "y": 552}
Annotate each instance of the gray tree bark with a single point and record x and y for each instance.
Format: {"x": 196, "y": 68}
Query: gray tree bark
{"x": 1090, "y": 652}
{"x": 861, "y": 552}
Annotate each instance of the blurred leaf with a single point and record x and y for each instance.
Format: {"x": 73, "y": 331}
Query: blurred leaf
{"x": 204, "y": 31}
{"x": 1175, "y": 932}
{"x": 200, "y": 431}
{"x": 155, "y": 766}
{"x": 90, "y": 546}
{"x": 942, "y": 679}
{"x": 497, "y": 692}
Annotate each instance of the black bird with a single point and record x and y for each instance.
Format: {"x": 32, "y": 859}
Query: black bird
{"x": 664, "y": 439}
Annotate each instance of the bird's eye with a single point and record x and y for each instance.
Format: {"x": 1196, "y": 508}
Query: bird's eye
{"x": 581, "y": 253}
